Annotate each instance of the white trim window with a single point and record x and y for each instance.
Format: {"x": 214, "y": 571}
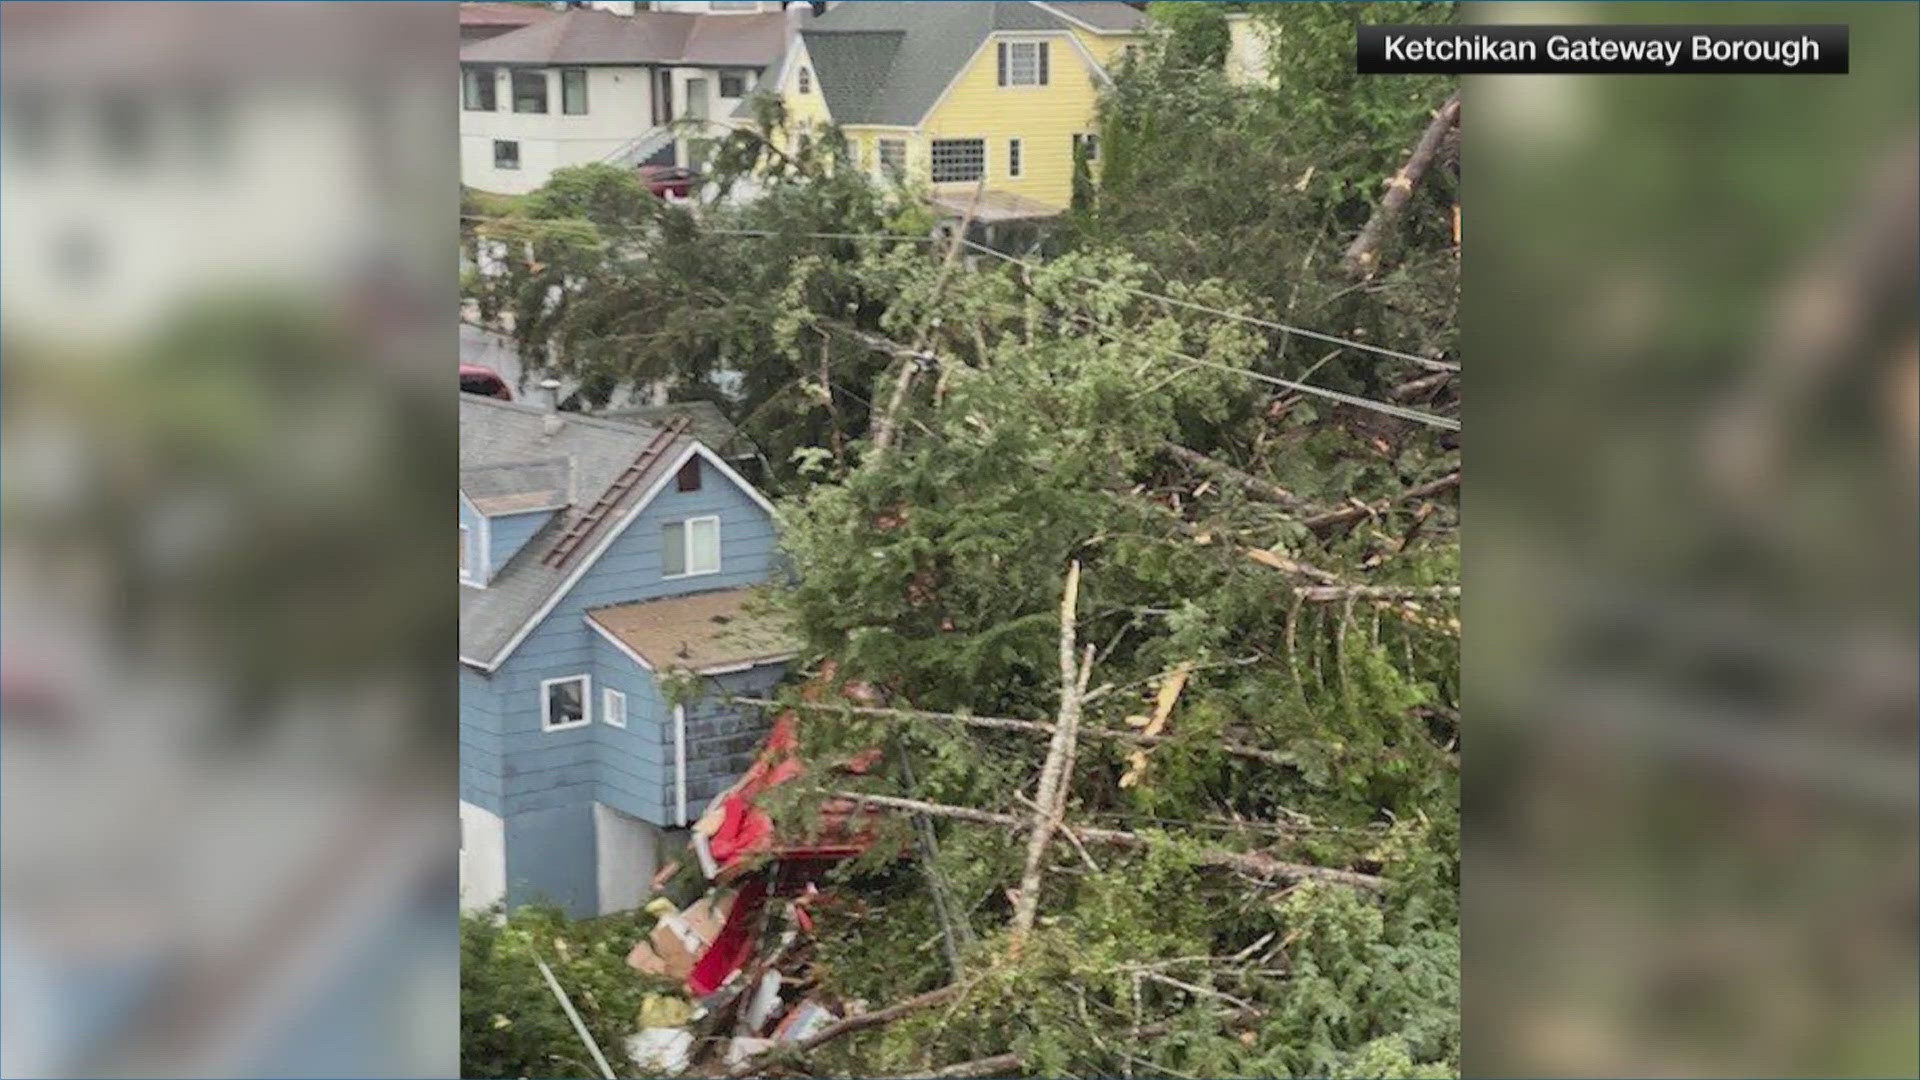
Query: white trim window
{"x": 564, "y": 702}
{"x": 1023, "y": 63}
{"x": 690, "y": 548}
{"x": 613, "y": 707}
{"x": 958, "y": 161}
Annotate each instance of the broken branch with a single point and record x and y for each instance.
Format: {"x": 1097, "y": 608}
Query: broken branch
{"x": 1051, "y": 799}
{"x": 1264, "y": 489}
{"x": 1363, "y": 255}
{"x": 1254, "y": 863}
{"x": 1027, "y": 727}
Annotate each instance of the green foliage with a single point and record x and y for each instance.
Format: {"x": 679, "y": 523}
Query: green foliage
{"x": 510, "y": 1023}
{"x": 1261, "y": 187}
{"x": 1196, "y": 35}
{"x": 601, "y": 280}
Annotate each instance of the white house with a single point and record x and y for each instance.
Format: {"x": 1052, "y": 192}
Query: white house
{"x": 596, "y": 85}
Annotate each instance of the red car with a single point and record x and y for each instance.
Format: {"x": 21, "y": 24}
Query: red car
{"x": 677, "y": 181}
{"x": 475, "y": 379}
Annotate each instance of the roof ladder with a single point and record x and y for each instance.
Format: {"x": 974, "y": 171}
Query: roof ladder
{"x": 590, "y": 519}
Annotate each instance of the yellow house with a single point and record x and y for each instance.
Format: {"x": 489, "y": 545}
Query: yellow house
{"x": 953, "y": 92}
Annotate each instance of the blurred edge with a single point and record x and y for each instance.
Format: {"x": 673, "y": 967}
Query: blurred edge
{"x": 226, "y": 440}
{"x": 1690, "y": 581}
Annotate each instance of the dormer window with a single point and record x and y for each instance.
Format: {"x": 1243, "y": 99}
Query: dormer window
{"x": 1023, "y": 63}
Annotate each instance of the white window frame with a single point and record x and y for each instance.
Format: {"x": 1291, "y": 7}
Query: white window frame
{"x": 586, "y": 703}
{"x": 986, "y": 155}
{"x": 1038, "y": 82}
{"x": 686, "y": 548}
{"x": 609, "y": 697}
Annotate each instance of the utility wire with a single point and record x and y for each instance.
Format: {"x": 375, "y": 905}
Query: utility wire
{"x": 1423, "y": 361}
{"x": 1386, "y": 408}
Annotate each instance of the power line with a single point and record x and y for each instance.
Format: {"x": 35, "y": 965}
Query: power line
{"x": 1387, "y": 408}
{"x": 1423, "y": 361}
{"x": 1354, "y": 400}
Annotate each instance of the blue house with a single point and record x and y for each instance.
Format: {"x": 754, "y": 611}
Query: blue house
{"x": 606, "y": 619}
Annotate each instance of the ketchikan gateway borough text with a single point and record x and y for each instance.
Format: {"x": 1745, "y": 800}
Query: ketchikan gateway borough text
{"x": 1577, "y": 49}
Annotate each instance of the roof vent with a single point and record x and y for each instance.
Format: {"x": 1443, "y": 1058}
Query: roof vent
{"x": 551, "y": 424}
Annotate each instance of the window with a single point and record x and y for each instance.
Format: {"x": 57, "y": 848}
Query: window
{"x": 733, "y": 84}
{"x": 1023, "y": 63}
{"x": 689, "y": 479}
{"x": 563, "y": 702}
{"x": 1013, "y": 157}
{"x": 613, "y": 707}
{"x": 506, "y": 154}
{"x": 1088, "y": 144}
{"x": 530, "y": 91}
{"x": 805, "y": 81}
{"x": 477, "y": 85}
{"x": 893, "y": 156}
{"x": 689, "y": 548}
{"x": 959, "y": 160}
{"x": 573, "y": 91}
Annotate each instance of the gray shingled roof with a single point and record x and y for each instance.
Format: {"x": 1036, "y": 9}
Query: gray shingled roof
{"x": 586, "y": 36}
{"x": 1104, "y": 18}
{"x": 709, "y": 425}
{"x": 517, "y": 487}
{"x": 499, "y": 433}
{"x": 888, "y": 61}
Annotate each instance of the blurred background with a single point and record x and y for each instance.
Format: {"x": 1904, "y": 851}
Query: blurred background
{"x": 226, "y": 440}
{"x": 1690, "y": 654}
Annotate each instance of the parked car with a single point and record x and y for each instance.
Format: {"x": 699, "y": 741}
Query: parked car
{"x": 475, "y": 379}
{"x": 677, "y": 181}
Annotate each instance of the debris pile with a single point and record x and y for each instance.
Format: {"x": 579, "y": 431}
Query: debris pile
{"x": 743, "y": 951}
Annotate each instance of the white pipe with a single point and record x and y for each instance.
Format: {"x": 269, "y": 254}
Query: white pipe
{"x": 680, "y": 760}
{"x": 579, "y": 1027}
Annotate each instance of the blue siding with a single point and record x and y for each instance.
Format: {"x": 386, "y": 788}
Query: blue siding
{"x": 544, "y": 783}
{"x": 508, "y": 534}
{"x": 550, "y": 859}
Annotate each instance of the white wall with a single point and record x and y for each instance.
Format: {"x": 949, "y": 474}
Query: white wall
{"x": 483, "y": 858}
{"x": 277, "y": 194}
{"x": 619, "y": 110}
{"x": 629, "y": 853}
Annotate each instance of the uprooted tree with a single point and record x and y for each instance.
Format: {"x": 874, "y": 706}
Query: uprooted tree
{"x": 1201, "y": 818}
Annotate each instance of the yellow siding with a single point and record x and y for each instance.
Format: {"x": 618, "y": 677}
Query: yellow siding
{"x": 809, "y": 109}
{"x": 1044, "y": 119}
{"x": 1106, "y": 47}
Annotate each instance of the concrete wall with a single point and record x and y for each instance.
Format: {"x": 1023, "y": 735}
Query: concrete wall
{"x": 483, "y": 857}
{"x": 629, "y": 852}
